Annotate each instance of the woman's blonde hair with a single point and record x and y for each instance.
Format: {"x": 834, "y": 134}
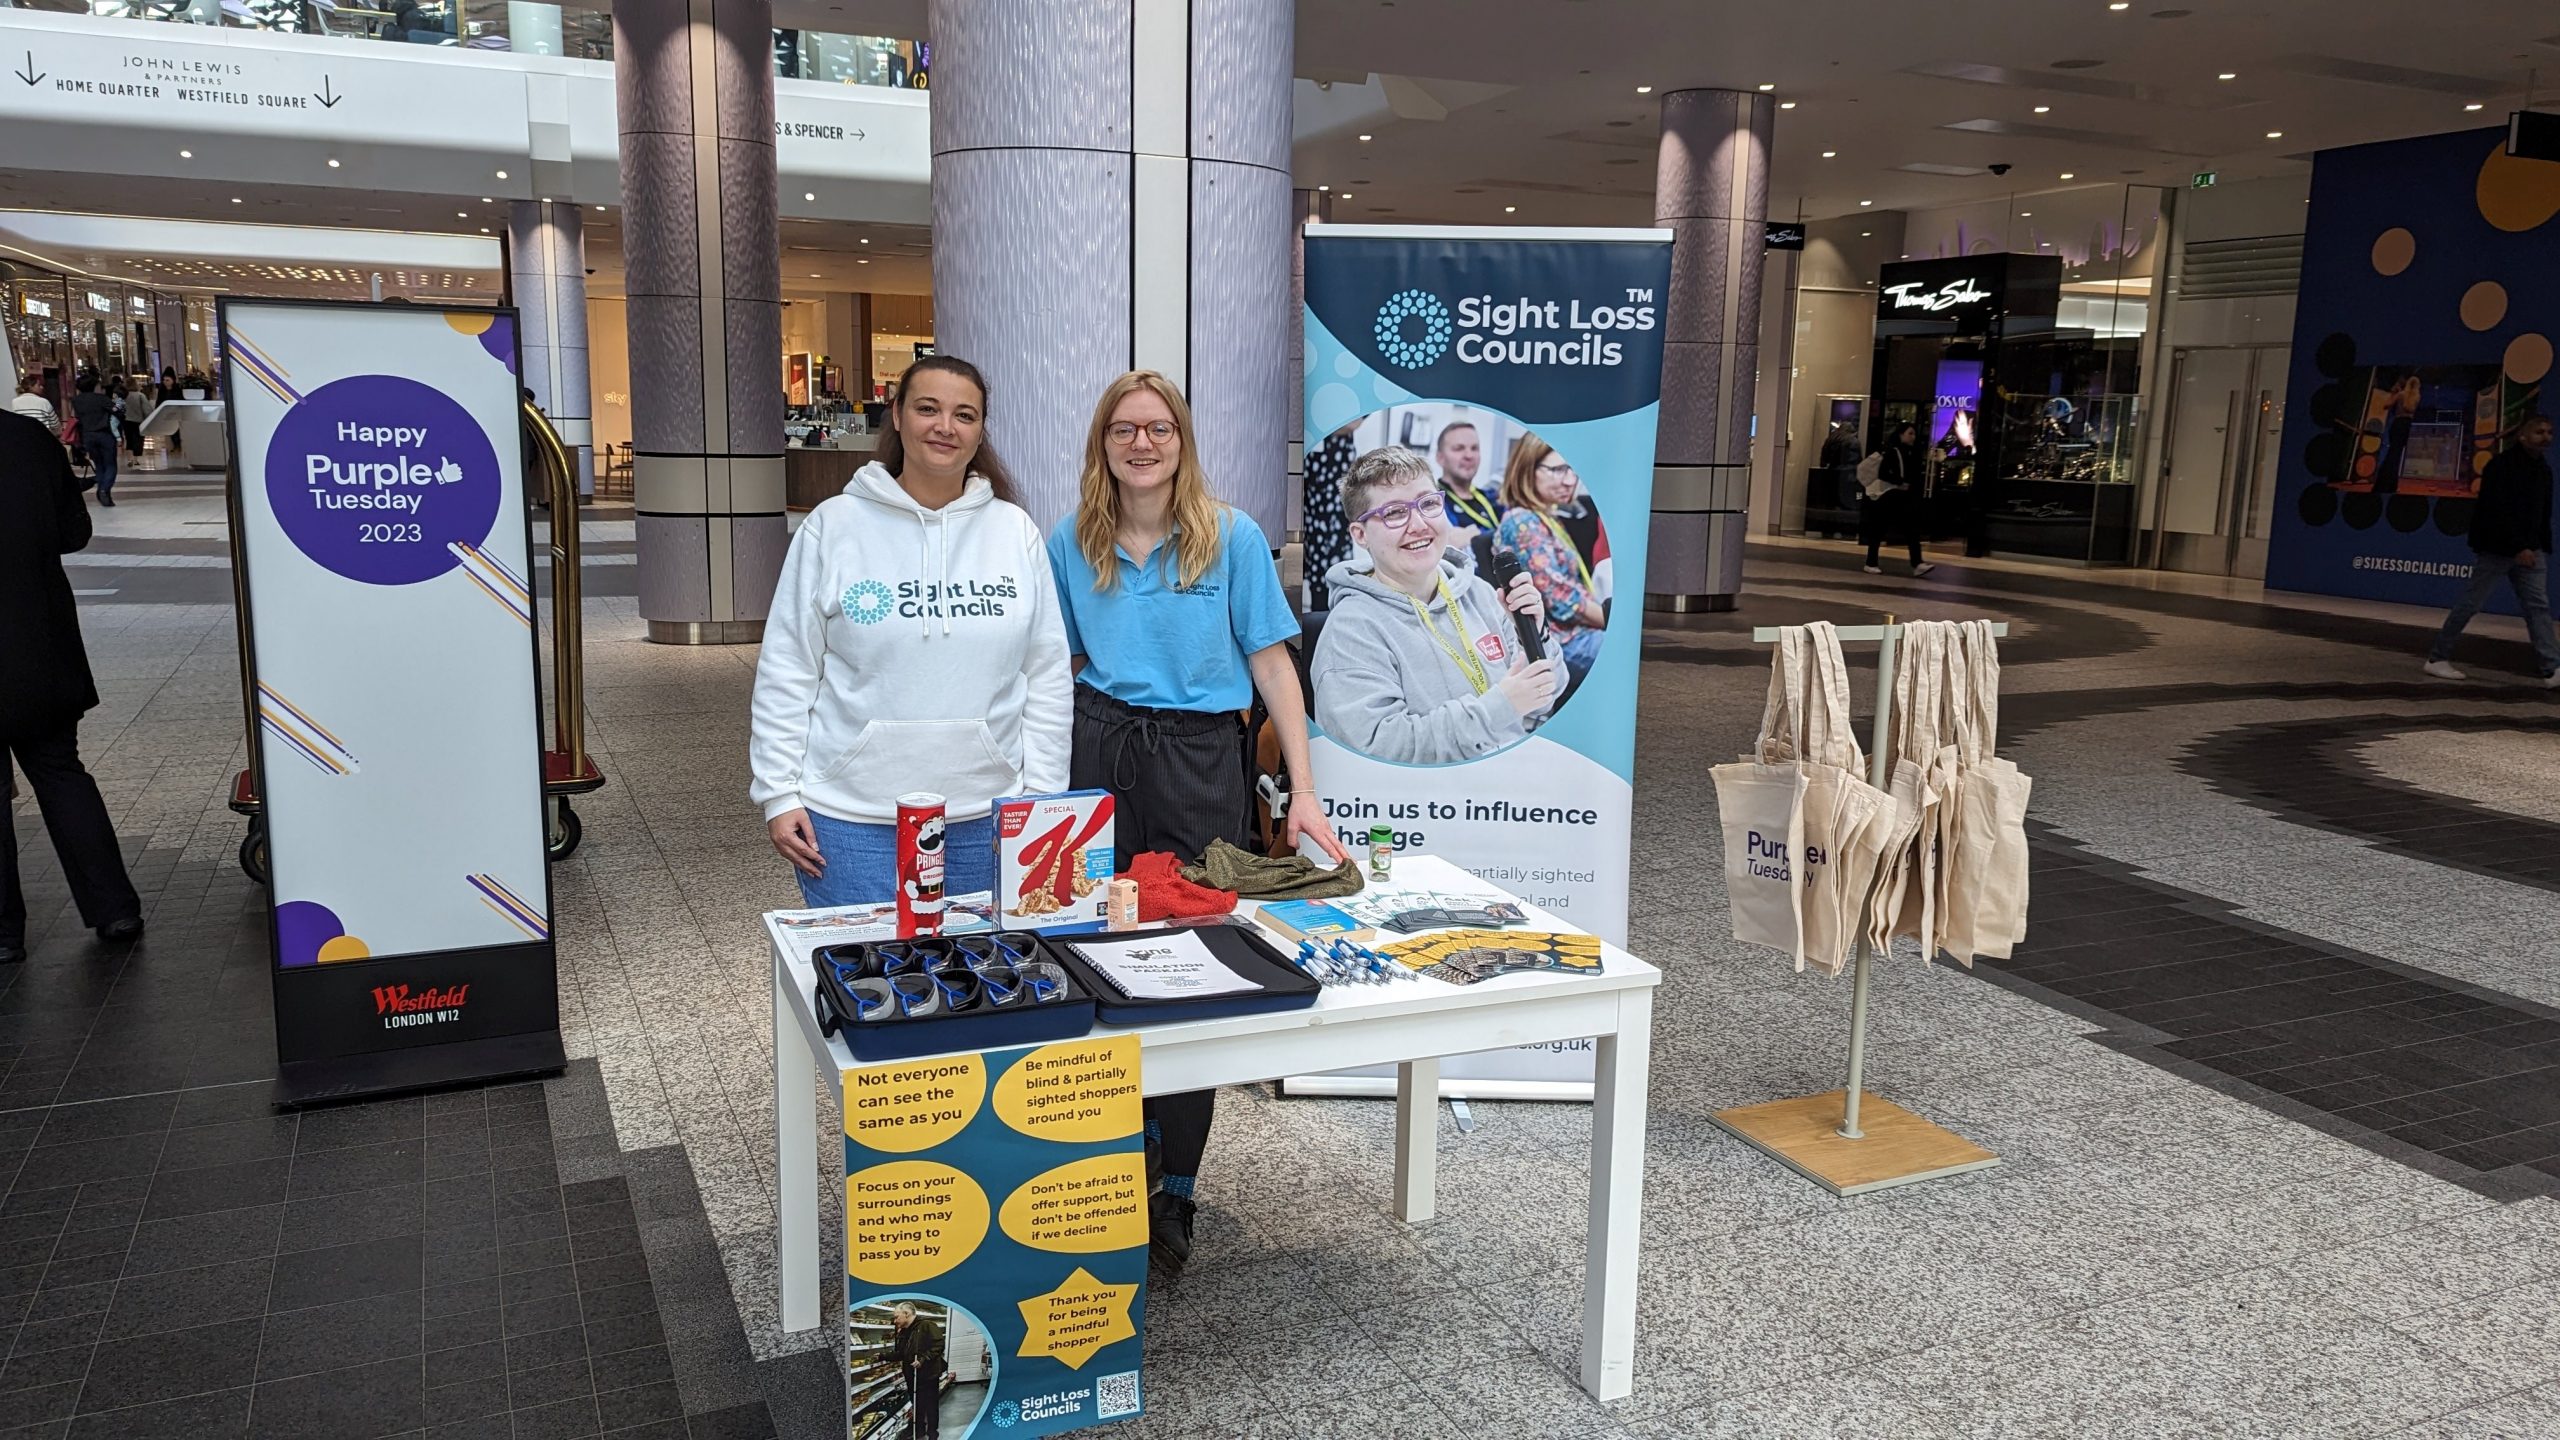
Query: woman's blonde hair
{"x": 1520, "y": 475}
{"x": 1199, "y": 521}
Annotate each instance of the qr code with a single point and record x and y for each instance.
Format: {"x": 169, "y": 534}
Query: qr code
{"x": 1115, "y": 1395}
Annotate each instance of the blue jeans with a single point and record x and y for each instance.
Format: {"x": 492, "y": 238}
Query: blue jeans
{"x": 2533, "y": 596}
{"x": 862, "y": 860}
{"x": 101, "y": 450}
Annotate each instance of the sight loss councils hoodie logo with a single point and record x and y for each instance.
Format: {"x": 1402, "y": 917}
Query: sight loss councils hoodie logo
{"x": 867, "y": 602}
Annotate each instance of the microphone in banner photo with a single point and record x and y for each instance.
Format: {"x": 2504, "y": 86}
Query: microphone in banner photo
{"x": 1473, "y": 597}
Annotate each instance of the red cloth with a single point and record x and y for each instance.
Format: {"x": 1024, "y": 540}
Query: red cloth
{"x": 1164, "y": 895}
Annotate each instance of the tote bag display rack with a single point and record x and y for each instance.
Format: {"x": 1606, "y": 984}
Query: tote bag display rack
{"x": 1849, "y": 1141}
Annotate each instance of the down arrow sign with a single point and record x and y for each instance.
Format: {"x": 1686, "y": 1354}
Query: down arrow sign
{"x": 328, "y": 98}
{"x": 31, "y": 74}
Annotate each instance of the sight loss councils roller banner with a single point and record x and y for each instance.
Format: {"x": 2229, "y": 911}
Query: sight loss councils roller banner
{"x": 1504, "y": 383}
{"x": 379, "y": 515}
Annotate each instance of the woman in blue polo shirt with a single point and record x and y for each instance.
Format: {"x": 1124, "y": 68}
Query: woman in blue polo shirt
{"x": 1175, "y": 619}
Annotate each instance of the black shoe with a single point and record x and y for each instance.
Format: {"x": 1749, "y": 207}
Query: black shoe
{"x": 12, "y": 954}
{"x": 1169, "y": 1230}
{"x": 118, "y": 931}
{"x": 103, "y": 500}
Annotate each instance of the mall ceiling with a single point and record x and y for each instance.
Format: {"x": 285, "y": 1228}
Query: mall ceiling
{"x": 1914, "y": 101}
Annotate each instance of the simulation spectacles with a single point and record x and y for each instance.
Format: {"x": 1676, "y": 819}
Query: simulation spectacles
{"x": 1122, "y": 432}
{"x": 1395, "y": 515}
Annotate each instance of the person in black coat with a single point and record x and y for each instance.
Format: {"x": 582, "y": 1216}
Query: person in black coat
{"x": 45, "y": 688}
{"x": 2510, "y": 541}
{"x": 1897, "y": 506}
{"x": 917, "y": 1349}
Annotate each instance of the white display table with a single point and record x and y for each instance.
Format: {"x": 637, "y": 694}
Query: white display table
{"x": 1410, "y": 1024}
{"x": 202, "y": 441}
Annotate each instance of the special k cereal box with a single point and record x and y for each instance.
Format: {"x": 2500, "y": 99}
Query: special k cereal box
{"x": 1053, "y": 861}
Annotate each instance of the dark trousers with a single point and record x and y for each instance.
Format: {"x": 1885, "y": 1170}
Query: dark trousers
{"x": 1896, "y": 510}
{"x": 102, "y": 454}
{"x": 1178, "y": 780}
{"x": 82, "y": 835}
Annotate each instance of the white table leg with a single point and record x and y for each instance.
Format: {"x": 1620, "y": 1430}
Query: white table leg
{"x": 1617, "y": 1200}
{"x": 1417, "y": 1140}
{"x": 795, "y": 1126}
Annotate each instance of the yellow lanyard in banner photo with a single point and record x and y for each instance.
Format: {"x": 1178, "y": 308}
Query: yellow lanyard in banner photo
{"x": 1470, "y": 664}
{"x": 1571, "y": 549}
{"x": 1479, "y": 512}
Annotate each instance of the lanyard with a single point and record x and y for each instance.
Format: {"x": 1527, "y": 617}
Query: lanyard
{"x": 1557, "y": 530}
{"x": 1470, "y": 664}
{"x": 1468, "y": 501}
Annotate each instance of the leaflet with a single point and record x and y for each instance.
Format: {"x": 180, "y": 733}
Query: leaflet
{"x": 1162, "y": 967}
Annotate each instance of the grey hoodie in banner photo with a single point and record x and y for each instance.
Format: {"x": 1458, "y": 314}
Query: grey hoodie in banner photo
{"x": 1386, "y": 684}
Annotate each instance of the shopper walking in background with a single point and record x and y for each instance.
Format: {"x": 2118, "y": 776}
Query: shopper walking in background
{"x": 1892, "y": 498}
{"x": 45, "y": 688}
{"x": 29, "y": 401}
{"x": 914, "y": 645}
{"x": 1537, "y": 485}
{"x": 2510, "y": 541}
{"x": 1176, "y": 618}
{"x": 133, "y": 406}
{"x": 95, "y": 413}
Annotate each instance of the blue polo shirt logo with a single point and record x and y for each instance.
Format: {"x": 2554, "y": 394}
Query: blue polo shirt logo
{"x": 867, "y": 602}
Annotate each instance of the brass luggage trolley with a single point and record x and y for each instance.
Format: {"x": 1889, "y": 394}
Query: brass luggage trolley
{"x": 566, "y": 768}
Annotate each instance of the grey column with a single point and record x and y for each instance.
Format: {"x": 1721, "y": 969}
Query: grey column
{"x": 1712, "y": 188}
{"x": 693, "y": 81}
{"x": 1306, "y": 207}
{"x": 1111, "y": 190}
{"x": 547, "y": 276}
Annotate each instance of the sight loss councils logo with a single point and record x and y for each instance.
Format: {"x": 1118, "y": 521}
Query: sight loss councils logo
{"x": 867, "y": 602}
{"x": 1419, "y": 306}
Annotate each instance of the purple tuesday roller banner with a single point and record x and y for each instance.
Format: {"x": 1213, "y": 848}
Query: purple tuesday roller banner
{"x": 380, "y": 527}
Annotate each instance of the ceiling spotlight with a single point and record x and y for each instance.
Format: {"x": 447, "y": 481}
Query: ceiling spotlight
{"x": 599, "y": 209}
{"x": 1830, "y": 154}
{"x": 808, "y": 194}
{"x": 2474, "y": 105}
{"x": 1866, "y": 202}
{"x": 2067, "y": 175}
{"x": 2119, "y": 4}
{"x": 1786, "y": 104}
{"x": 813, "y": 275}
{"x": 502, "y": 174}
{"x": 1866, "y": 234}
{"x": 1510, "y": 209}
{"x": 1644, "y": 89}
{"x": 1345, "y": 195}
{"x": 333, "y": 160}
{"x": 461, "y": 214}
{"x": 2228, "y": 75}
{"x": 186, "y": 154}
{"x": 484, "y": 229}
{"x": 1364, "y": 139}
{"x": 2026, "y": 214}
{"x": 235, "y": 199}
{"x": 865, "y": 240}
{"x": 2044, "y": 109}
{"x": 2275, "y": 134}
{"x": 1769, "y": 87}
{"x": 861, "y": 262}
{"x": 485, "y": 200}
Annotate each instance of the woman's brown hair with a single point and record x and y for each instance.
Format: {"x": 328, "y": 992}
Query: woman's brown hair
{"x": 1520, "y": 475}
{"x": 891, "y": 451}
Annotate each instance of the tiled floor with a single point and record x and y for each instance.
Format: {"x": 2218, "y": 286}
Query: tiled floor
{"x": 2265, "y": 860}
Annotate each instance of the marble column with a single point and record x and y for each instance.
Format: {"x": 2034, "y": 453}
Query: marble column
{"x": 693, "y": 82}
{"x": 1712, "y": 188}
{"x": 547, "y": 276}
{"x": 1111, "y": 190}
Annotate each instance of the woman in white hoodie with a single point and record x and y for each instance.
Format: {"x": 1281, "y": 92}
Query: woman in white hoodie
{"x": 914, "y": 644}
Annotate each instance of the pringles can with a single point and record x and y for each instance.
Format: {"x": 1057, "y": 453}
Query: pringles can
{"x": 920, "y": 864}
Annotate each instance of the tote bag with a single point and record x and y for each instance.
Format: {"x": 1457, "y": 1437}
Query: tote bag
{"x": 1905, "y": 892}
{"x": 1760, "y": 808}
{"x": 1996, "y": 794}
{"x": 1847, "y": 819}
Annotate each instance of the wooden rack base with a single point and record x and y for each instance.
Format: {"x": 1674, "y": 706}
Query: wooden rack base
{"x": 1898, "y": 1148}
